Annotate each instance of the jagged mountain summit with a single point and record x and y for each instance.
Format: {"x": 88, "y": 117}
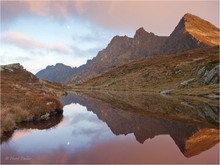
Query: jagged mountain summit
{"x": 191, "y": 32}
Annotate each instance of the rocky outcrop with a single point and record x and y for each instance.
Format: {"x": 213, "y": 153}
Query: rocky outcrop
{"x": 201, "y": 71}
{"x": 165, "y": 92}
{"x": 186, "y": 82}
{"x": 11, "y": 67}
{"x": 209, "y": 75}
{"x": 212, "y": 76}
{"x": 211, "y": 113}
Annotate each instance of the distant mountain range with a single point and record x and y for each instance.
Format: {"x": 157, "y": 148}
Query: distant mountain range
{"x": 59, "y": 72}
{"x": 191, "y": 32}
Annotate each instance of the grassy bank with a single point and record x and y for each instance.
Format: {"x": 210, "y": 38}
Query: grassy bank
{"x": 26, "y": 98}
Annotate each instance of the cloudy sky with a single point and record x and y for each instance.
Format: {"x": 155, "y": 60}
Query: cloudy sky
{"x": 37, "y": 33}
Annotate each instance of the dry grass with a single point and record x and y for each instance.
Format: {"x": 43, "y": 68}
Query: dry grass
{"x": 159, "y": 73}
{"x": 24, "y": 97}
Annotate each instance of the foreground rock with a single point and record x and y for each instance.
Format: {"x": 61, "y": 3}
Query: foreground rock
{"x": 25, "y": 98}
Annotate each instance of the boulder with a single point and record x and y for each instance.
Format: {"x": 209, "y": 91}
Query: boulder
{"x": 45, "y": 117}
{"x": 187, "y": 82}
{"x": 212, "y": 96}
{"x": 165, "y": 92}
{"x": 201, "y": 71}
{"x": 209, "y": 113}
{"x": 212, "y": 76}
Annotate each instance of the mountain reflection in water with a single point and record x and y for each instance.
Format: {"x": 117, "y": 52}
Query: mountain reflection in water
{"x": 93, "y": 126}
{"x": 149, "y": 115}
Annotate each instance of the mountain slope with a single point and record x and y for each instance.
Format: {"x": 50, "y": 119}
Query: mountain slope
{"x": 203, "y": 30}
{"x": 60, "y": 72}
{"x": 185, "y": 71}
{"x": 192, "y": 32}
{"x": 122, "y": 50}
{"x": 57, "y": 73}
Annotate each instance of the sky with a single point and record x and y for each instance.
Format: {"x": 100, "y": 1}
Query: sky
{"x": 38, "y": 33}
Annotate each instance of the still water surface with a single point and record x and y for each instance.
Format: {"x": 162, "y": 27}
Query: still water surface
{"x": 84, "y": 135}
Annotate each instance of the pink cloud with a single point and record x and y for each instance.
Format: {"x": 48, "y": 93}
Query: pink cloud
{"x": 159, "y": 17}
{"x": 26, "y": 42}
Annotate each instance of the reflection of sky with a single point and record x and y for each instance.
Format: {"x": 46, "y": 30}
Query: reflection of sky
{"x": 80, "y": 129}
{"x": 82, "y": 138}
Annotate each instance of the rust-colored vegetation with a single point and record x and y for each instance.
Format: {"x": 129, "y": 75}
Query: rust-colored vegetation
{"x": 161, "y": 73}
{"x": 25, "y": 98}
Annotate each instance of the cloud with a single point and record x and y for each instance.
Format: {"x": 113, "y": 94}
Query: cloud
{"x": 28, "y": 43}
{"x": 85, "y": 53}
{"x": 159, "y": 17}
{"x": 11, "y": 10}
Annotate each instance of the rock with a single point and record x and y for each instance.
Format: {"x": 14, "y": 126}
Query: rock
{"x": 186, "y": 104}
{"x": 11, "y": 67}
{"x": 210, "y": 113}
{"x": 201, "y": 71}
{"x": 178, "y": 71}
{"x": 165, "y": 92}
{"x": 50, "y": 103}
{"x": 212, "y": 96}
{"x": 187, "y": 82}
{"x": 215, "y": 80}
{"x": 45, "y": 117}
{"x": 36, "y": 118}
{"x": 53, "y": 112}
{"x": 213, "y": 74}
{"x": 178, "y": 110}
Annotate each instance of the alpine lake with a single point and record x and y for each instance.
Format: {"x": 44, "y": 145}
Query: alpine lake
{"x": 120, "y": 128}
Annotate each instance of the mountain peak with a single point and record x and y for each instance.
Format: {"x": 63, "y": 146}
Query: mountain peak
{"x": 140, "y": 30}
{"x": 200, "y": 29}
{"x": 189, "y": 16}
{"x": 140, "y": 33}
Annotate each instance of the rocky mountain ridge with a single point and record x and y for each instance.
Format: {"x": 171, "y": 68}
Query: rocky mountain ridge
{"x": 60, "y": 72}
{"x": 191, "y": 32}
